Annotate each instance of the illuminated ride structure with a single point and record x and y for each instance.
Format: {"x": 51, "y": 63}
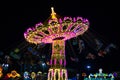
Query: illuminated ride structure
{"x": 57, "y": 31}
{"x": 100, "y": 76}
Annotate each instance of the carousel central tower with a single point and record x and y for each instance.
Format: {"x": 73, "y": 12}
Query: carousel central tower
{"x": 56, "y": 32}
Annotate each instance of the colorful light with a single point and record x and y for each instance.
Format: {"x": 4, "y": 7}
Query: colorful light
{"x": 14, "y": 74}
{"x": 33, "y": 75}
{"x": 1, "y": 69}
{"x": 57, "y": 31}
{"x": 100, "y": 76}
{"x": 26, "y": 75}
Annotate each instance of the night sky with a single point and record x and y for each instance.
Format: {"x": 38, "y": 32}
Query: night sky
{"x": 16, "y": 19}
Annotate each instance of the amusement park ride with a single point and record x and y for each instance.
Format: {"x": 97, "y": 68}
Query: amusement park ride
{"x": 60, "y": 48}
{"x": 100, "y": 76}
{"x": 56, "y": 32}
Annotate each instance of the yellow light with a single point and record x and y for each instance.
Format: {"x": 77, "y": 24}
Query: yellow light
{"x": 33, "y": 75}
{"x": 1, "y": 74}
{"x": 1, "y": 71}
{"x": 57, "y": 71}
{"x": 14, "y": 74}
{"x": 53, "y": 14}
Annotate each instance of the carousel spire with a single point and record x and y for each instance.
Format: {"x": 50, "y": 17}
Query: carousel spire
{"x": 53, "y": 14}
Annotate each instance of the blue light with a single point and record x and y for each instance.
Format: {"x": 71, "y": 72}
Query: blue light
{"x": 88, "y": 67}
{"x": 43, "y": 64}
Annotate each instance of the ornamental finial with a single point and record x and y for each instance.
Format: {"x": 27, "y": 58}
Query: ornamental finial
{"x": 53, "y": 14}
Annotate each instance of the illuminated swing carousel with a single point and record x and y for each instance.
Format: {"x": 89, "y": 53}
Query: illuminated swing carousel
{"x": 57, "y": 31}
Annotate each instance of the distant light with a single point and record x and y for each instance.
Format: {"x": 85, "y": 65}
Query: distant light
{"x": 88, "y": 67}
{"x": 5, "y": 65}
{"x": 43, "y": 64}
{"x": 16, "y": 50}
{"x": 100, "y": 70}
{"x": 115, "y": 74}
{"x": 26, "y": 75}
